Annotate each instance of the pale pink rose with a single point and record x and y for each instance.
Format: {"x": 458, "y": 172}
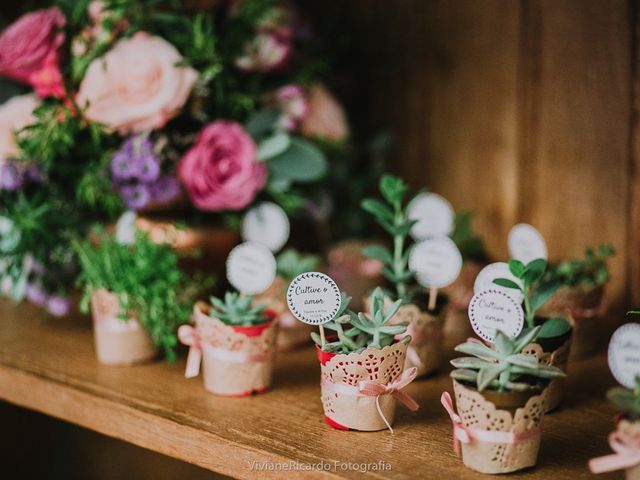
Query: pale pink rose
{"x": 97, "y": 11}
{"x": 220, "y": 171}
{"x": 325, "y": 118}
{"x": 29, "y": 51}
{"x": 268, "y": 51}
{"x": 136, "y": 86}
{"x": 15, "y": 114}
{"x": 292, "y": 102}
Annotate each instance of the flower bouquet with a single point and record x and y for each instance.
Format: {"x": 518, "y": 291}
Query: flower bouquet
{"x": 236, "y": 342}
{"x": 362, "y": 367}
{"x": 501, "y": 399}
{"x": 424, "y": 324}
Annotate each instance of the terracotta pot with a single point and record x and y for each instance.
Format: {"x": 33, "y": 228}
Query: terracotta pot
{"x": 118, "y": 342}
{"x": 457, "y": 327}
{"x": 353, "y": 272}
{"x": 237, "y": 361}
{"x": 514, "y": 412}
{"x": 347, "y": 410}
{"x": 293, "y": 333}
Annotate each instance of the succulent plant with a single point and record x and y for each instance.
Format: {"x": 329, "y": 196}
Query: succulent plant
{"x": 504, "y": 368}
{"x": 356, "y": 332}
{"x": 291, "y": 263}
{"x": 626, "y": 400}
{"x": 590, "y": 271}
{"x": 469, "y": 243}
{"x": 237, "y": 310}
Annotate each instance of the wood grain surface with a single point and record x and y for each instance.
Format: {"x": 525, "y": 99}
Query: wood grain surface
{"x": 49, "y": 366}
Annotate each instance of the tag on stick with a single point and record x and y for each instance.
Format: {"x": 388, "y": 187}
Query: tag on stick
{"x": 493, "y": 309}
{"x": 434, "y": 214}
{"x": 313, "y": 298}
{"x": 436, "y": 261}
{"x": 251, "y": 268}
{"x": 268, "y": 224}
{"x": 526, "y": 243}
{"x": 624, "y": 354}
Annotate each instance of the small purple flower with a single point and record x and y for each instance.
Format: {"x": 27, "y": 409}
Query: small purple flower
{"x": 36, "y": 294}
{"x": 11, "y": 178}
{"x": 135, "y": 196}
{"x": 165, "y": 189}
{"x": 34, "y": 174}
{"x": 148, "y": 168}
{"x": 58, "y": 306}
{"x": 123, "y": 166}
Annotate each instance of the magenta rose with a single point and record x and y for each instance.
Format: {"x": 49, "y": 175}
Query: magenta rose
{"x": 29, "y": 51}
{"x": 221, "y": 171}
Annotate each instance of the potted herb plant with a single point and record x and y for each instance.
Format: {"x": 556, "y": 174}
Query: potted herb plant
{"x": 236, "y": 341}
{"x": 625, "y": 441}
{"x": 456, "y": 325}
{"x": 138, "y": 296}
{"x": 581, "y": 296}
{"x": 424, "y": 325}
{"x": 501, "y": 398}
{"x": 290, "y": 264}
{"x": 362, "y": 367}
{"x": 553, "y": 343}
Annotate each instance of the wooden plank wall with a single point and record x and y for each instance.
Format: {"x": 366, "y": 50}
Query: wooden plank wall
{"x": 521, "y": 110}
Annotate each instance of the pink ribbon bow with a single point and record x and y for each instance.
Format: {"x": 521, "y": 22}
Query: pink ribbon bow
{"x": 463, "y": 434}
{"x": 374, "y": 389}
{"x": 627, "y": 455}
{"x": 188, "y": 335}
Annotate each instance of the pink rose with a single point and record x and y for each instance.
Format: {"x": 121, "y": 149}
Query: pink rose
{"x": 268, "y": 51}
{"x": 292, "y": 102}
{"x": 325, "y": 118}
{"x": 136, "y": 86}
{"x": 15, "y": 114}
{"x": 220, "y": 171}
{"x": 29, "y": 51}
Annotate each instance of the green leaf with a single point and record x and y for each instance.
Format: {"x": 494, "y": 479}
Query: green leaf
{"x": 554, "y": 327}
{"x": 377, "y": 209}
{"x": 273, "y": 146}
{"x": 262, "y": 122}
{"x": 543, "y": 293}
{"x": 301, "y": 162}
{"x": 379, "y": 253}
{"x": 527, "y": 336}
{"x": 505, "y": 282}
{"x": 534, "y": 270}
{"x": 488, "y": 374}
{"x": 516, "y": 267}
{"x": 392, "y": 189}
{"x": 477, "y": 349}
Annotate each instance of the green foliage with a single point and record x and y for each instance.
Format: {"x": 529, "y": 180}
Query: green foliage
{"x": 470, "y": 245}
{"x": 626, "y": 400}
{"x": 237, "y": 310}
{"x": 504, "y": 368}
{"x": 146, "y": 278}
{"x": 392, "y": 215}
{"x": 588, "y": 272}
{"x": 290, "y": 263}
{"x": 356, "y": 332}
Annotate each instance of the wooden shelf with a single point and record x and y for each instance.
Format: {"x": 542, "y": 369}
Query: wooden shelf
{"x": 48, "y": 365}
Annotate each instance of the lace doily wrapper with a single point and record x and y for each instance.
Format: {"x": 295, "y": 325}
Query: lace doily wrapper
{"x": 293, "y": 333}
{"x": 235, "y": 361}
{"x": 557, "y": 358}
{"x": 479, "y": 413}
{"x": 360, "y": 412}
{"x": 118, "y": 342}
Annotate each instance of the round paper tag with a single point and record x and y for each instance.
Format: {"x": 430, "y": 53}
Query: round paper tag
{"x": 313, "y": 298}
{"x": 126, "y": 228}
{"x": 624, "y": 354}
{"x": 436, "y": 261}
{"x": 267, "y": 224}
{"x": 484, "y": 280}
{"x": 492, "y": 310}
{"x": 526, "y": 243}
{"x": 434, "y": 213}
{"x": 251, "y": 268}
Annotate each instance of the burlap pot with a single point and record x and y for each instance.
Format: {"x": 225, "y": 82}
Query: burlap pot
{"x": 348, "y": 411}
{"x": 293, "y": 333}
{"x": 477, "y": 413}
{"x": 236, "y": 361}
{"x": 585, "y": 309}
{"x": 118, "y": 342}
{"x": 457, "y": 327}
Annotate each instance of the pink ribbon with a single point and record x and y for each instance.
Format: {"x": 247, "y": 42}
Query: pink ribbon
{"x": 627, "y": 455}
{"x": 369, "y": 388}
{"x": 463, "y": 434}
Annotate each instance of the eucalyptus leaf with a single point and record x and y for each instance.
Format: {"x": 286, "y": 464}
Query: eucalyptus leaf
{"x": 273, "y": 146}
{"x": 301, "y": 162}
{"x": 554, "y": 327}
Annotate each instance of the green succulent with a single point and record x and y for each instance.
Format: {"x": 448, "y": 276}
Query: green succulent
{"x": 504, "y": 368}
{"x": 237, "y": 310}
{"x": 626, "y": 399}
{"x": 356, "y": 332}
{"x": 291, "y": 263}
{"x": 536, "y": 293}
{"x": 469, "y": 243}
{"x": 589, "y": 272}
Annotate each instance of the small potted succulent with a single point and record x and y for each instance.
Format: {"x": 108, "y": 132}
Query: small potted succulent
{"x": 290, "y": 264}
{"x": 138, "y": 296}
{"x": 553, "y": 343}
{"x": 424, "y": 325}
{"x": 625, "y": 441}
{"x": 581, "y": 296}
{"x": 456, "y": 325}
{"x": 362, "y": 367}
{"x": 236, "y": 342}
{"x": 500, "y": 397}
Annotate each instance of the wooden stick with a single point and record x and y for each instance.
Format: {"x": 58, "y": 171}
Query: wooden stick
{"x": 433, "y": 295}
{"x": 323, "y": 340}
